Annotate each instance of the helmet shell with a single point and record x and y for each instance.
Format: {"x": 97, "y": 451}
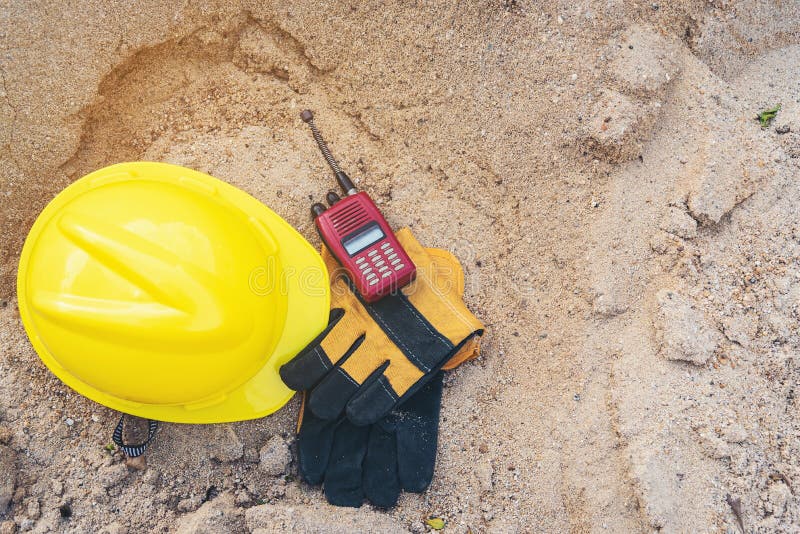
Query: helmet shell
{"x": 165, "y": 293}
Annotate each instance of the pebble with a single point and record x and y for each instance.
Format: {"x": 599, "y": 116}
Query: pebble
{"x": 8, "y": 527}
{"x": 70, "y": 421}
{"x": 138, "y": 463}
{"x": 275, "y": 457}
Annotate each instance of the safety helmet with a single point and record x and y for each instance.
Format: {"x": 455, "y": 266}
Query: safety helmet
{"x": 162, "y": 292}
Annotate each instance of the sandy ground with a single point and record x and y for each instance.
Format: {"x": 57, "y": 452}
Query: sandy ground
{"x": 630, "y": 235}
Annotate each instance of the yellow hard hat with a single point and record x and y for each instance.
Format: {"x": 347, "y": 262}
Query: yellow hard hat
{"x": 162, "y": 292}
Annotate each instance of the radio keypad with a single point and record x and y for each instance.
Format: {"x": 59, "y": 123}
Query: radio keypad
{"x": 379, "y": 262}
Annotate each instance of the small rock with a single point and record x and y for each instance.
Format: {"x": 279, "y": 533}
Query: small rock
{"x": 417, "y": 527}
{"x": 275, "y": 456}
{"x": 8, "y": 527}
{"x": 57, "y": 487}
{"x": 69, "y": 421}
{"x": 137, "y": 463}
{"x": 684, "y": 332}
{"x": 8, "y": 466}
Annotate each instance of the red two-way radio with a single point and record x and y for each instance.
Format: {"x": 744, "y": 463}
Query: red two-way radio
{"x": 356, "y": 233}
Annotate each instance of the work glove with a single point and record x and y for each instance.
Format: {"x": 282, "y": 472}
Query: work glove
{"x": 373, "y": 356}
{"x": 377, "y": 461}
{"x": 397, "y": 453}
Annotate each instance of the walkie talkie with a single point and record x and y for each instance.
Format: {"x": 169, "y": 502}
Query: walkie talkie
{"x": 356, "y": 233}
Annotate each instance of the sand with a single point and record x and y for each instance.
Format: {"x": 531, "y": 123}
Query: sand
{"x": 629, "y": 232}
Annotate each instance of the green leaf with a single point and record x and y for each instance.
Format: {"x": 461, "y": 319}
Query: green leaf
{"x": 766, "y": 116}
{"x": 109, "y": 447}
{"x": 436, "y": 523}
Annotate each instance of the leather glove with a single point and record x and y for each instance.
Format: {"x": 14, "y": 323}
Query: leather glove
{"x": 378, "y": 461}
{"x": 373, "y": 356}
{"x": 397, "y": 453}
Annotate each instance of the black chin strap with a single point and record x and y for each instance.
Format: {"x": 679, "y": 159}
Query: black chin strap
{"x": 132, "y": 451}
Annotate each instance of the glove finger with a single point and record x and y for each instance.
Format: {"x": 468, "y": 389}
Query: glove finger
{"x": 373, "y": 401}
{"x": 329, "y": 398}
{"x": 381, "y": 483}
{"x": 343, "y": 485}
{"x": 417, "y": 436}
{"x": 314, "y": 444}
{"x": 311, "y": 364}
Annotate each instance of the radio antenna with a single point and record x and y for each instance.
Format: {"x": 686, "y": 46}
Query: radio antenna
{"x": 344, "y": 181}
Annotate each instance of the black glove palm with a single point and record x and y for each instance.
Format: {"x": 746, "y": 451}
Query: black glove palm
{"x": 377, "y": 461}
